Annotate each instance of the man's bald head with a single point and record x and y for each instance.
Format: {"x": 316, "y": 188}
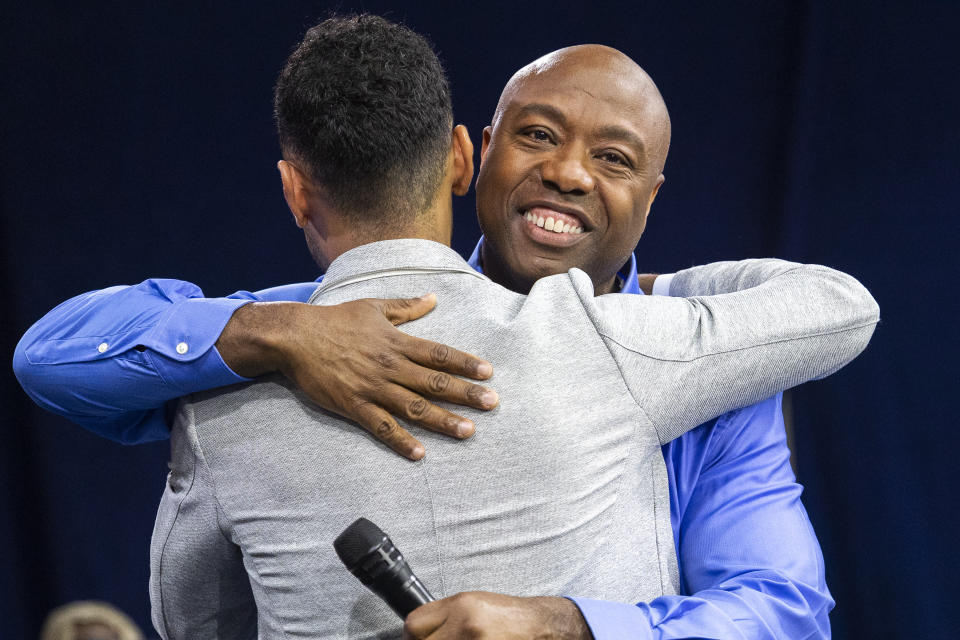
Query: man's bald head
{"x": 570, "y": 167}
{"x": 607, "y": 66}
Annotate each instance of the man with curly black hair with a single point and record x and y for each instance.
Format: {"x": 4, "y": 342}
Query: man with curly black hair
{"x": 340, "y": 119}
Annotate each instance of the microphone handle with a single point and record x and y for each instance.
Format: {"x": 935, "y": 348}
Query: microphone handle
{"x": 403, "y": 600}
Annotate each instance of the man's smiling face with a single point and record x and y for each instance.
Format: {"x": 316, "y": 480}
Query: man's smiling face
{"x": 569, "y": 167}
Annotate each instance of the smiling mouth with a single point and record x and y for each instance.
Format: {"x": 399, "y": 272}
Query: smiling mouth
{"x": 555, "y": 221}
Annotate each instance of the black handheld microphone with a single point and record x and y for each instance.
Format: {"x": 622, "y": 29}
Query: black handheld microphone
{"x": 370, "y": 555}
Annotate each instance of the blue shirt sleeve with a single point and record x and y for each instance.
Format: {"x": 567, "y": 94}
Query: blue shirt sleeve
{"x": 110, "y": 359}
{"x": 747, "y": 551}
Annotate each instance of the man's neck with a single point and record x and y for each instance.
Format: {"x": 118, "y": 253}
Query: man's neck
{"x": 496, "y": 272}
{"x": 408, "y": 232}
{"x": 427, "y": 226}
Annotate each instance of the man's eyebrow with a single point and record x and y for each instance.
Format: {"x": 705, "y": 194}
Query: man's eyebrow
{"x": 608, "y": 132}
{"x": 616, "y": 132}
{"x": 542, "y": 109}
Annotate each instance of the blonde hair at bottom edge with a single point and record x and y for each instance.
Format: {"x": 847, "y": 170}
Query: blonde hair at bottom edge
{"x": 62, "y": 622}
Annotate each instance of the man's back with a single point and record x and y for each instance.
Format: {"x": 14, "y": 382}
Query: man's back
{"x": 561, "y": 491}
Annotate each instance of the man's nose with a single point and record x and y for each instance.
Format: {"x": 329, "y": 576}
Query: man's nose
{"x": 568, "y": 171}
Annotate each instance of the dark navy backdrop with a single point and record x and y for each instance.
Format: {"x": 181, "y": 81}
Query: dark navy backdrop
{"x": 138, "y": 142}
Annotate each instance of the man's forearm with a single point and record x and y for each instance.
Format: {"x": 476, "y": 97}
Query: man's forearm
{"x": 251, "y": 344}
{"x": 109, "y": 359}
{"x": 347, "y": 358}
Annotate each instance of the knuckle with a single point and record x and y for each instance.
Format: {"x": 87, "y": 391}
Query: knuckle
{"x": 469, "y": 363}
{"x": 475, "y": 393}
{"x": 438, "y": 382}
{"x": 440, "y": 353}
{"x": 416, "y": 408}
{"x": 384, "y": 429}
{"x": 386, "y": 360}
{"x": 357, "y": 403}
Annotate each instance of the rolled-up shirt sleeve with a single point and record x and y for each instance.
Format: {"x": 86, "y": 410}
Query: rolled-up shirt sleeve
{"x": 110, "y": 359}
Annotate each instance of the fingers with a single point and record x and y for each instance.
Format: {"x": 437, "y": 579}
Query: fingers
{"x": 434, "y": 355}
{"x": 441, "y": 386}
{"x": 400, "y": 310}
{"x": 425, "y": 619}
{"x": 385, "y": 429}
{"x": 417, "y": 410}
{"x": 379, "y": 372}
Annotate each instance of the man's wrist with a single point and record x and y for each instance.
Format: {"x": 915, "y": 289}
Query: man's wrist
{"x": 251, "y": 343}
{"x": 564, "y": 618}
{"x": 646, "y": 282}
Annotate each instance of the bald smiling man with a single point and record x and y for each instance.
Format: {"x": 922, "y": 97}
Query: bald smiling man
{"x": 570, "y": 167}
{"x": 604, "y": 120}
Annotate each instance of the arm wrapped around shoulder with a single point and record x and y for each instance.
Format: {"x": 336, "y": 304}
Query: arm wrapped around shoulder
{"x": 742, "y": 332}
{"x": 829, "y": 300}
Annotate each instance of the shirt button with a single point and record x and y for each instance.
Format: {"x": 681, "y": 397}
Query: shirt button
{"x": 182, "y": 348}
{"x": 103, "y": 346}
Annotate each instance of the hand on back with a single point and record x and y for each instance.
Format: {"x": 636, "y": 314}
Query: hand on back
{"x": 351, "y": 359}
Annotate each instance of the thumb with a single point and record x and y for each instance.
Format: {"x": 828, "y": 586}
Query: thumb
{"x": 400, "y": 310}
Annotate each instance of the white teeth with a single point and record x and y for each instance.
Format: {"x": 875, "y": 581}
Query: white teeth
{"x": 557, "y": 226}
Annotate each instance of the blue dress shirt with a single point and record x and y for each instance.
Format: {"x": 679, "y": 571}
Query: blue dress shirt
{"x": 750, "y": 564}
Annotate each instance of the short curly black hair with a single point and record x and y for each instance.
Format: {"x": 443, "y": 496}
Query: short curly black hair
{"x": 363, "y": 104}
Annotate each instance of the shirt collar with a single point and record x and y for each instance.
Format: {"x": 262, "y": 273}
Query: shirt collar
{"x": 627, "y": 274}
{"x": 388, "y": 255}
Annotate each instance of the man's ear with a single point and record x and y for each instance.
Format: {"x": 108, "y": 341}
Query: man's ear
{"x": 296, "y": 191}
{"x": 653, "y": 194}
{"x": 462, "y": 147}
{"x": 485, "y": 142}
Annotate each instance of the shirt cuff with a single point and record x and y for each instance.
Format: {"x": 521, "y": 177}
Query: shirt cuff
{"x": 191, "y": 327}
{"x": 661, "y": 284}
{"x": 614, "y": 620}
{"x": 209, "y": 371}
{"x": 187, "y": 335}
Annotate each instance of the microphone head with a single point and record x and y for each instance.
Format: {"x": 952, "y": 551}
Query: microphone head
{"x": 357, "y": 541}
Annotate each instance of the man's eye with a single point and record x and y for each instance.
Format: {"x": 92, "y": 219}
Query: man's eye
{"x": 614, "y": 158}
{"x": 539, "y": 135}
